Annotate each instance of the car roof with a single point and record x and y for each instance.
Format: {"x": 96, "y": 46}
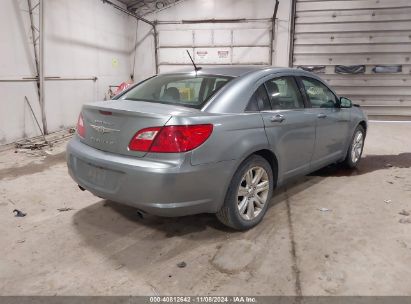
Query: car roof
{"x": 232, "y": 70}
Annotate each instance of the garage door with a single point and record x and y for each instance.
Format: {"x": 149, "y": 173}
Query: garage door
{"x": 214, "y": 44}
{"x": 363, "y": 48}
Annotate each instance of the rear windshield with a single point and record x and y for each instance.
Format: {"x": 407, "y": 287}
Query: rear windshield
{"x": 183, "y": 90}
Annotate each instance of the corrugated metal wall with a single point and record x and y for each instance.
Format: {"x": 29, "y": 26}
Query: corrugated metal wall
{"x": 359, "y": 32}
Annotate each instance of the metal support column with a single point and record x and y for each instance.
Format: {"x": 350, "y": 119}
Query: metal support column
{"x": 41, "y": 65}
{"x": 272, "y": 33}
{"x": 292, "y": 32}
{"x": 155, "y": 37}
{"x": 35, "y": 37}
{"x": 37, "y": 33}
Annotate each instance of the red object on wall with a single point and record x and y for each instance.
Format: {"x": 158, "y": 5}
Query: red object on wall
{"x": 123, "y": 86}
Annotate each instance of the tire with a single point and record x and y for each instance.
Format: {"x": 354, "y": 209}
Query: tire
{"x": 244, "y": 194}
{"x": 354, "y": 152}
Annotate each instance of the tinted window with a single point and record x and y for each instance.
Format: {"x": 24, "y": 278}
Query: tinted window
{"x": 184, "y": 90}
{"x": 284, "y": 93}
{"x": 259, "y": 101}
{"x": 320, "y": 96}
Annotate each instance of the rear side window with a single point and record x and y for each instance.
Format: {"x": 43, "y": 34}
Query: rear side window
{"x": 259, "y": 101}
{"x": 184, "y": 90}
{"x": 284, "y": 93}
{"x": 320, "y": 96}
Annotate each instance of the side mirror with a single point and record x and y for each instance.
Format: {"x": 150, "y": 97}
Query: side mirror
{"x": 345, "y": 102}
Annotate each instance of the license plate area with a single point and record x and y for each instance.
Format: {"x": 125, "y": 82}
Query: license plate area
{"x": 96, "y": 175}
{"x": 101, "y": 178}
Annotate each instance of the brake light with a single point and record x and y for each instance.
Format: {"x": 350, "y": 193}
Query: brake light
{"x": 170, "y": 139}
{"x": 81, "y": 130}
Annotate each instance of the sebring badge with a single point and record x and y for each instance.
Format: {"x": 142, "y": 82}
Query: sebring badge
{"x": 103, "y": 129}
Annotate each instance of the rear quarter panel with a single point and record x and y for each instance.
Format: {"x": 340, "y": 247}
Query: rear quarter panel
{"x": 234, "y": 136}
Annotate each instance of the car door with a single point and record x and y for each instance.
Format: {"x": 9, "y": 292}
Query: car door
{"x": 290, "y": 128}
{"x": 332, "y": 123}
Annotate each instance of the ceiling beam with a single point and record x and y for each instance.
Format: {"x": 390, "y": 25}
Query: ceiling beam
{"x": 134, "y": 3}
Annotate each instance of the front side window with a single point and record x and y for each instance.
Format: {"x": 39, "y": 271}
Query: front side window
{"x": 284, "y": 93}
{"x": 184, "y": 90}
{"x": 320, "y": 96}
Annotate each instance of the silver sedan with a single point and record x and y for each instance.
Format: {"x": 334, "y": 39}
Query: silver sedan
{"x": 218, "y": 140}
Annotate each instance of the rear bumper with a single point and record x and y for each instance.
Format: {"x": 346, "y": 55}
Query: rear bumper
{"x": 165, "y": 188}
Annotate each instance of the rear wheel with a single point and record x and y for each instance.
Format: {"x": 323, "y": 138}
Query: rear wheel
{"x": 355, "y": 150}
{"x": 248, "y": 195}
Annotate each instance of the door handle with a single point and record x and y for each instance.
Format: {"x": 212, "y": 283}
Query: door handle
{"x": 322, "y": 115}
{"x": 277, "y": 118}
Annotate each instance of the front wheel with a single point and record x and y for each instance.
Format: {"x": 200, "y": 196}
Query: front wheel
{"x": 248, "y": 195}
{"x": 355, "y": 150}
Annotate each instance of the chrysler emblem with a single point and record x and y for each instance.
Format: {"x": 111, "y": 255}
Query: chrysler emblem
{"x": 102, "y": 129}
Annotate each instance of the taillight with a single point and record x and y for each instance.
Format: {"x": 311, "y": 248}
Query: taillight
{"x": 170, "y": 139}
{"x": 81, "y": 130}
{"x": 143, "y": 139}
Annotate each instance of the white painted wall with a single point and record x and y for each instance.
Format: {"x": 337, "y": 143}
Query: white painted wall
{"x": 16, "y": 62}
{"x": 87, "y": 38}
{"x": 212, "y": 9}
{"x": 83, "y": 38}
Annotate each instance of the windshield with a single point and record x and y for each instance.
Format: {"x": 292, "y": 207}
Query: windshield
{"x": 184, "y": 90}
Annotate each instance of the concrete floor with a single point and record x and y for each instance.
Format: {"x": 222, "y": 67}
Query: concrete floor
{"x": 362, "y": 246}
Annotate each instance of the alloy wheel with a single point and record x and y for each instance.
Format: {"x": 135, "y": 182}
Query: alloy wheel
{"x": 357, "y": 145}
{"x": 253, "y": 192}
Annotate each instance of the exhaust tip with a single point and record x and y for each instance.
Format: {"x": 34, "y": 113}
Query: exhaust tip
{"x": 81, "y": 188}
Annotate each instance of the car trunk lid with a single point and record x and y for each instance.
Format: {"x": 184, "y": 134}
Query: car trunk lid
{"x": 110, "y": 125}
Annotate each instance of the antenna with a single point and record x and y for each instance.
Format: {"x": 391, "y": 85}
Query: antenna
{"x": 196, "y": 68}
